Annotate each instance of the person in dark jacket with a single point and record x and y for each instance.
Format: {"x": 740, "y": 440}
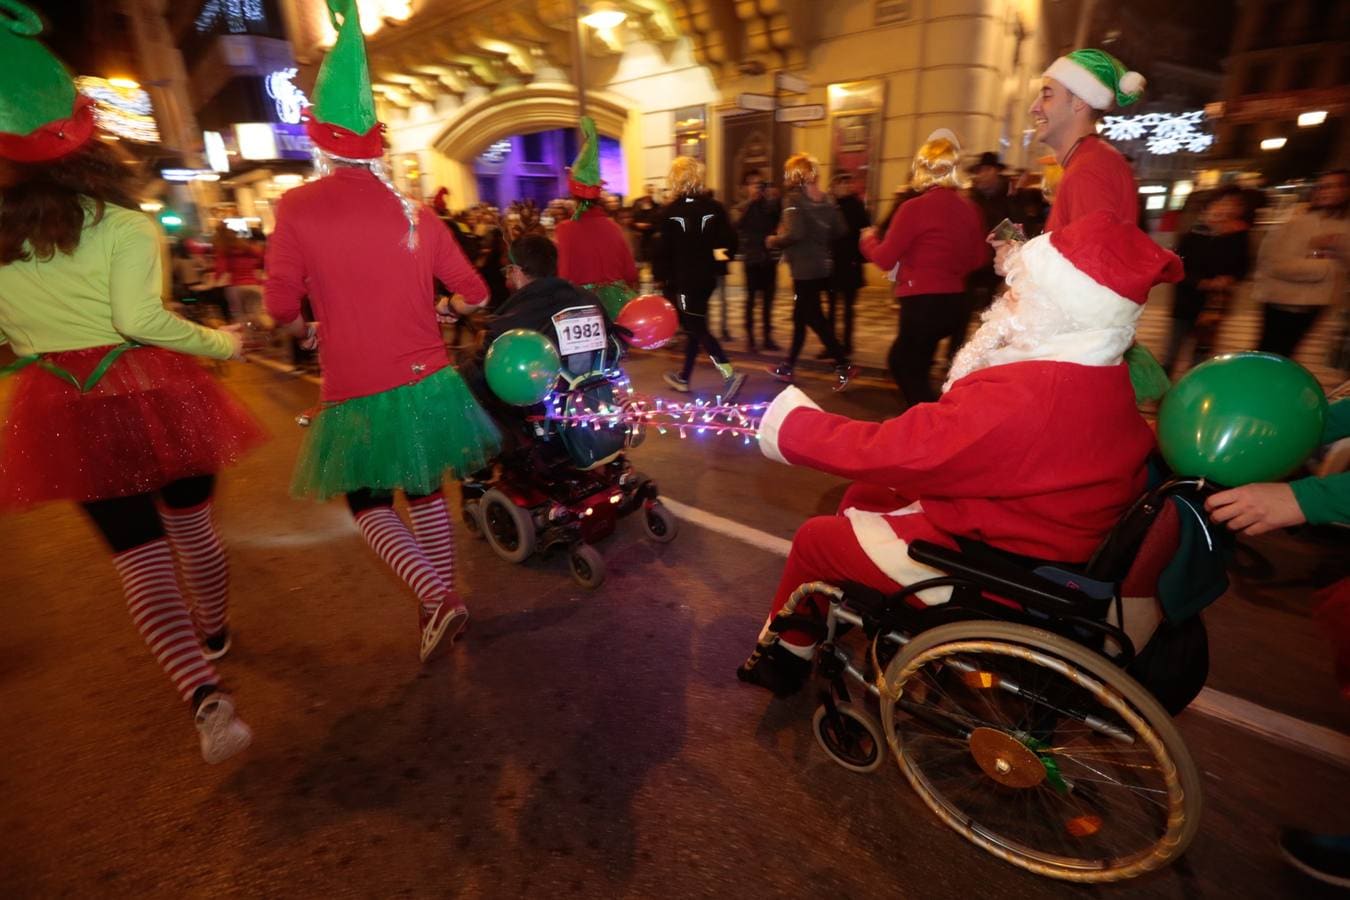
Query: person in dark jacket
{"x": 694, "y": 238}
{"x": 1217, "y": 256}
{"x": 810, "y": 225}
{"x": 757, "y": 218}
{"x": 989, "y": 192}
{"x": 847, "y": 278}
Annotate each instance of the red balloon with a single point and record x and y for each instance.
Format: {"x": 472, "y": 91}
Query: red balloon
{"x": 652, "y": 320}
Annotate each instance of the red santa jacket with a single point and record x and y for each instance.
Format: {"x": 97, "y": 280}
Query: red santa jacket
{"x": 341, "y": 240}
{"x": 1039, "y": 458}
{"x": 592, "y": 250}
{"x": 937, "y": 238}
{"x": 1097, "y": 177}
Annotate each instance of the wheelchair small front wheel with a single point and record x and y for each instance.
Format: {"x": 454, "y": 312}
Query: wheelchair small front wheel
{"x": 508, "y": 528}
{"x": 471, "y": 515}
{"x": 587, "y": 565}
{"x": 660, "y": 523}
{"x": 1040, "y": 751}
{"x": 853, "y": 738}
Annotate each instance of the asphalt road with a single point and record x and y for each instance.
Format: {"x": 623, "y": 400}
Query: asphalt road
{"x": 574, "y": 744}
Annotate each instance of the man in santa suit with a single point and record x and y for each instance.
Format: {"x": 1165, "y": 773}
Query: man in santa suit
{"x": 1036, "y": 446}
{"x": 592, "y": 250}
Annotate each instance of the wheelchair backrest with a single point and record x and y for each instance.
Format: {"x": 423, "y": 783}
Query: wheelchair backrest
{"x": 590, "y": 356}
{"x": 584, "y": 342}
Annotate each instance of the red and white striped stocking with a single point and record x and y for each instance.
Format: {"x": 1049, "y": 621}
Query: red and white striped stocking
{"x": 157, "y": 608}
{"x": 431, "y": 524}
{"x": 395, "y": 544}
{"x": 201, "y": 559}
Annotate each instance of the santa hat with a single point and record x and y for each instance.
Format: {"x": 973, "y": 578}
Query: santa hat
{"x": 42, "y": 116}
{"x": 1098, "y": 77}
{"x": 1098, "y": 270}
{"x": 342, "y": 119}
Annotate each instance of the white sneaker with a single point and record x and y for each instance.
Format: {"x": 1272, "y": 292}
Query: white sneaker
{"x": 223, "y": 735}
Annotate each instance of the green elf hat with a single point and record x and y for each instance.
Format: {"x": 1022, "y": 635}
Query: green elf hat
{"x": 1098, "y": 77}
{"x": 584, "y": 179}
{"x": 342, "y": 119}
{"x": 42, "y": 116}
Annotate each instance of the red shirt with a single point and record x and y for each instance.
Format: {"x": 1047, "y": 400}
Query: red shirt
{"x": 937, "y": 237}
{"x": 1039, "y": 458}
{"x": 592, "y": 250}
{"x": 244, "y": 265}
{"x": 1097, "y": 177}
{"x": 341, "y": 240}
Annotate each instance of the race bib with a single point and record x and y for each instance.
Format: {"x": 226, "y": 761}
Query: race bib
{"x": 579, "y": 331}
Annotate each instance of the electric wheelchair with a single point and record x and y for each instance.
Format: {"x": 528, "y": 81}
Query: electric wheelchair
{"x": 564, "y": 485}
{"x": 1032, "y": 711}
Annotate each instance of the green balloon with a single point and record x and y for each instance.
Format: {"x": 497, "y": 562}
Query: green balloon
{"x": 1242, "y": 418}
{"x": 522, "y": 366}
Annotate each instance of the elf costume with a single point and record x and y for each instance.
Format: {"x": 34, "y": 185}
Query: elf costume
{"x": 109, "y": 409}
{"x": 395, "y": 415}
{"x": 1096, "y": 176}
{"x": 592, "y": 250}
{"x": 1036, "y": 446}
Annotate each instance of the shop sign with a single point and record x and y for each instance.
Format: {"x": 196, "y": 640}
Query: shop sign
{"x": 810, "y": 112}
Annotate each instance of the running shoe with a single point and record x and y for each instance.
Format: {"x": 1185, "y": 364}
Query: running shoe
{"x": 676, "y": 382}
{"x": 222, "y": 733}
{"x": 782, "y": 373}
{"x": 733, "y": 386}
{"x": 448, "y": 620}
{"x": 843, "y": 375}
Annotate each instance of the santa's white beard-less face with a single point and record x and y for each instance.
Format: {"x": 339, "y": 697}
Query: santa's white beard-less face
{"x": 1025, "y": 324}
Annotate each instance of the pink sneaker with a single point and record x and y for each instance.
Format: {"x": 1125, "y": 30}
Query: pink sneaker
{"x": 449, "y": 620}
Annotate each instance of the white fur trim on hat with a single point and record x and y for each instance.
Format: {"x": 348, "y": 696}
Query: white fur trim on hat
{"x": 1088, "y": 304}
{"x": 1132, "y": 84}
{"x": 791, "y": 399}
{"x": 1083, "y": 83}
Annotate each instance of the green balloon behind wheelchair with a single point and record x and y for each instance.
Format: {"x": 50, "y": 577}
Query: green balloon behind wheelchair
{"x": 522, "y": 366}
{"x": 1241, "y": 418}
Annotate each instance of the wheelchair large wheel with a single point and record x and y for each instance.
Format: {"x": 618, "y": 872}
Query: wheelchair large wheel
{"x": 508, "y": 528}
{"x": 660, "y": 523}
{"x": 1040, "y": 751}
{"x": 854, "y": 740}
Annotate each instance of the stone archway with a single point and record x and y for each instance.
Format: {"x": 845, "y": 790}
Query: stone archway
{"x": 516, "y": 110}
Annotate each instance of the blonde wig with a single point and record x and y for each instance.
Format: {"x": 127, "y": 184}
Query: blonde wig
{"x": 935, "y": 165}
{"x": 686, "y": 176}
{"x": 801, "y": 169}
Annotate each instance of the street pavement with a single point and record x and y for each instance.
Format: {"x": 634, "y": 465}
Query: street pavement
{"x": 587, "y": 744}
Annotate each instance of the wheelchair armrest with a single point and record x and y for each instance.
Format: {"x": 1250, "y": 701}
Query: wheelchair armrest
{"x": 1008, "y": 581}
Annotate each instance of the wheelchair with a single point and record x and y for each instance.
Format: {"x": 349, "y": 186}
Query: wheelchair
{"x": 1013, "y": 709}
{"x": 563, "y": 485}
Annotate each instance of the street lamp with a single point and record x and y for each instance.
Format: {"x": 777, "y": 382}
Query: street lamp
{"x": 600, "y": 15}
{"x": 603, "y": 16}
{"x": 1274, "y": 143}
{"x": 1317, "y": 117}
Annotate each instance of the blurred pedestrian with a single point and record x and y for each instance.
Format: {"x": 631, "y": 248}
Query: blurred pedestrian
{"x": 1216, "y": 255}
{"x": 110, "y": 410}
{"x": 695, "y": 235}
{"x": 847, "y": 278}
{"x": 810, "y": 225}
{"x": 989, "y": 191}
{"x": 394, "y": 415}
{"x": 937, "y": 239}
{"x": 239, "y": 267}
{"x": 756, "y": 219}
{"x": 1301, "y": 268}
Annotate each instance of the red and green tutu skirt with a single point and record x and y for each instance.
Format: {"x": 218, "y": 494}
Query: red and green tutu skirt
{"x": 407, "y": 438}
{"x": 154, "y": 417}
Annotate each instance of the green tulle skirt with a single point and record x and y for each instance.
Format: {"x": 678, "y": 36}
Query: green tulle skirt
{"x": 406, "y": 438}
{"x": 613, "y": 296}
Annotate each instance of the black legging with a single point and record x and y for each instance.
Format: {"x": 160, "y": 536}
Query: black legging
{"x": 806, "y": 313}
{"x": 359, "y": 501}
{"x": 848, "y": 296}
{"x": 1284, "y": 327}
{"x": 128, "y": 522}
{"x": 925, "y": 319}
{"x": 693, "y": 308}
{"x": 760, "y": 278}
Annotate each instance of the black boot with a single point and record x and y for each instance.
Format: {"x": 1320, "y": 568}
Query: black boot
{"x": 777, "y": 669}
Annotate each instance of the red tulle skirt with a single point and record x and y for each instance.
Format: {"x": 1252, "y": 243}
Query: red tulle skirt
{"x": 156, "y": 416}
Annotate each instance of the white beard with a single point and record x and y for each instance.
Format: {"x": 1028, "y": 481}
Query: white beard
{"x": 1025, "y": 324}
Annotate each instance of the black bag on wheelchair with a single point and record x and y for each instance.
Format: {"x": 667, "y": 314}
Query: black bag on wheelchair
{"x": 590, "y": 356}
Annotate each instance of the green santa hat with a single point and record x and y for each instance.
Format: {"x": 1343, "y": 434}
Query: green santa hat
{"x": 42, "y": 116}
{"x": 1098, "y": 77}
{"x": 584, "y": 179}
{"x": 342, "y": 119}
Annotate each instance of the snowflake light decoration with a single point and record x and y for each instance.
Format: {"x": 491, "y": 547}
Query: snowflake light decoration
{"x": 1165, "y": 133}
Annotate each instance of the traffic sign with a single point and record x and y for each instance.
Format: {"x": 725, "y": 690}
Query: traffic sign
{"x": 761, "y": 102}
{"x": 809, "y": 112}
{"x": 793, "y": 84}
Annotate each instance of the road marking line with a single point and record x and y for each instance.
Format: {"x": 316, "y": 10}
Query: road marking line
{"x": 1317, "y": 740}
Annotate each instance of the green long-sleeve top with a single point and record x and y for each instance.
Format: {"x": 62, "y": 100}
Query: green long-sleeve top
{"x": 1325, "y": 501}
{"x": 106, "y": 292}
